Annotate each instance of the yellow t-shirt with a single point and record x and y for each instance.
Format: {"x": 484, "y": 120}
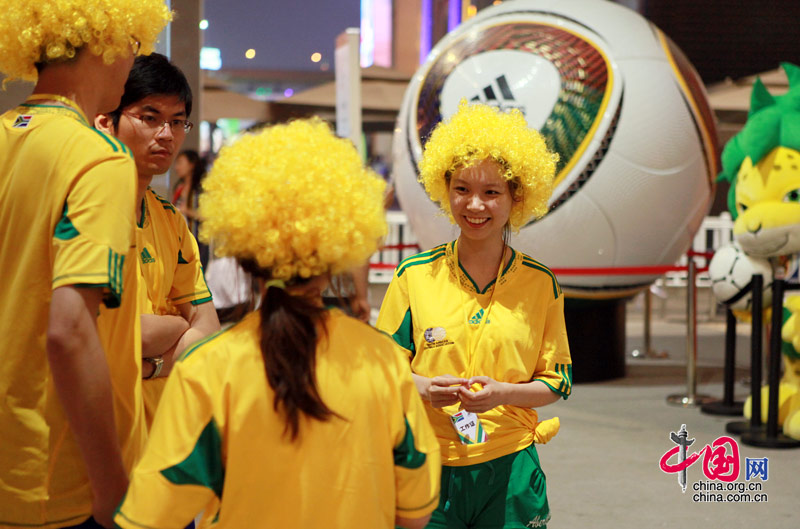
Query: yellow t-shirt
{"x": 171, "y": 273}
{"x": 435, "y": 310}
{"x": 217, "y": 436}
{"x": 67, "y": 218}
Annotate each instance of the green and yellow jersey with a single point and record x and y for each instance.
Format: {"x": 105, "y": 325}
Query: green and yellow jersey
{"x": 217, "y": 436}
{"x": 67, "y": 218}
{"x": 436, "y": 311}
{"x": 171, "y": 272}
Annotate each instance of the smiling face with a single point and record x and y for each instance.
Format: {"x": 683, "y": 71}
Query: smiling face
{"x": 480, "y": 200}
{"x": 154, "y": 143}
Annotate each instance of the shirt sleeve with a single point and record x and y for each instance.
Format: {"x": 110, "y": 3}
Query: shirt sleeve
{"x": 417, "y": 461}
{"x": 181, "y": 472}
{"x": 96, "y": 229}
{"x": 395, "y": 317}
{"x": 189, "y": 284}
{"x": 554, "y": 367}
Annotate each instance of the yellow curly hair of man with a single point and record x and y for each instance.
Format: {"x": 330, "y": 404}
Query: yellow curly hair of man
{"x": 295, "y": 199}
{"x": 43, "y": 31}
{"x": 477, "y": 132}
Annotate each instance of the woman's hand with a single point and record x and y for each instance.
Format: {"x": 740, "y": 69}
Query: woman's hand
{"x": 492, "y": 394}
{"x": 440, "y": 391}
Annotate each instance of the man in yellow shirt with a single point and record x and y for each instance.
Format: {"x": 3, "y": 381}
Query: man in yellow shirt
{"x": 152, "y": 120}
{"x": 69, "y": 381}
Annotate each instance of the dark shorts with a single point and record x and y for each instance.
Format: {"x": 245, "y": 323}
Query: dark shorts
{"x": 88, "y": 524}
{"x": 91, "y": 524}
{"x": 508, "y": 492}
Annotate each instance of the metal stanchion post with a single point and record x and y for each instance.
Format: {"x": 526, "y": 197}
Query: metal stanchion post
{"x": 771, "y": 438}
{"x": 647, "y": 350}
{"x": 648, "y": 311}
{"x": 738, "y": 427}
{"x": 727, "y": 406}
{"x": 691, "y": 399}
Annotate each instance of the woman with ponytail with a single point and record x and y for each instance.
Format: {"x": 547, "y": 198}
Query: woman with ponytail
{"x": 298, "y": 416}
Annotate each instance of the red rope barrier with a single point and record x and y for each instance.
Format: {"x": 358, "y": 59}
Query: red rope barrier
{"x": 400, "y": 247}
{"x": 707, "y": 255}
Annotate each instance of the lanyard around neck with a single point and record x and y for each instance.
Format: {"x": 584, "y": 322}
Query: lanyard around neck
{"x": 472, "y": 345}
{"x": 68, "y": 103}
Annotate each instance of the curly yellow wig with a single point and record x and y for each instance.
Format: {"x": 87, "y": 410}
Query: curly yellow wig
{"x": 42, "y": 31}
{"x": 295, "y": 199}
{"x": 477, "y": 132}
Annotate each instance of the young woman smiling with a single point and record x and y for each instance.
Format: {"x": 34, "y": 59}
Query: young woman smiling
{"x": 483, "y": 323}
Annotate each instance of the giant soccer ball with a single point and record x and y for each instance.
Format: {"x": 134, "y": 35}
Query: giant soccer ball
{"x": 613, "y": 96}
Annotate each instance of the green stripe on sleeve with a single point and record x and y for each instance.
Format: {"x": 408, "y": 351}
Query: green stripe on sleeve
{"x": 565, "y": 387}
{"x": 203, "y": 466}
{"x": 404, "y": 335}
{"x": 201, "y": 301}
{"x": 65, "y": 230}
{"x": 406, "y": 454}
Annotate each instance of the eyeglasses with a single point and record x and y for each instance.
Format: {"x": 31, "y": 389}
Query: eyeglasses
{"x": 135, "y": 45}
{"x": 154, "y": 124}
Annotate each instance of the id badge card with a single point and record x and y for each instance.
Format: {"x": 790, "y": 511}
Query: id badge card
{"x": 469, "y": 428}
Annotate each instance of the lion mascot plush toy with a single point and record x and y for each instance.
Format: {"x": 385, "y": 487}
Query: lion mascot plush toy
{"x": 762, "y": 164}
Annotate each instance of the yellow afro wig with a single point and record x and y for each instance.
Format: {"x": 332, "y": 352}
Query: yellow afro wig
{"x": 42, "y": 31}
{"x": 477, "y": 132}
{"x": 295, "y": 199}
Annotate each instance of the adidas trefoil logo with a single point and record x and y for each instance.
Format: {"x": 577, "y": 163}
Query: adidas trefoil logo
{"x": 147, "y": 258}
{"x": 477, "y": 317}
{"x": 506, "y": 101}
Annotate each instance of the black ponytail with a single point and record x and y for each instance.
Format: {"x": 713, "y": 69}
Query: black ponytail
{"x": 291, "y": 327}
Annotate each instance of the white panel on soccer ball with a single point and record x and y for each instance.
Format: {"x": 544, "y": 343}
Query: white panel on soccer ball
{"x": 532, "y": 83}
{"x": 656, "y": 130}
{"x": 569, "y": 239}
{"x": 622, "y": 29}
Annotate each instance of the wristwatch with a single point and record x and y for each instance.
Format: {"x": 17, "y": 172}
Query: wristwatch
{"x": 157, "y": 363}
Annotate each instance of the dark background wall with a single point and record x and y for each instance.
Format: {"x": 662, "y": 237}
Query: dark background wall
{"x": 730, "y": 38}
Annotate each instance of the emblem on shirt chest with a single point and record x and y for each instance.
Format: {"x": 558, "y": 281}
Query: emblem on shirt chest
{"x": 436, "y": 337}
{"x": 477, "y": 317}
{"x": 146, "y": 257}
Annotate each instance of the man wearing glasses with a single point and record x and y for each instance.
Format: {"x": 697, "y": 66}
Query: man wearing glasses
{"x": 152, "y": 120}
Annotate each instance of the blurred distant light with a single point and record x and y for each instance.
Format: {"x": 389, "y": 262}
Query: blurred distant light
{"x": 316, "y": 56}
{"x": 497, "y": 2}
{"x": 250, "y": 53}
{"x": 472, "y": 10}
{"x": 324, "y": 66}
{"x": 288, "y": 92}
{"x": 454, "y": 14}
{"x": 426, "y": 30}
{"x": 210, "y": 59}
{"x": 376, "y": 33}
{"x": 261, "y": 91}
{"x": 204, "y": 24}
